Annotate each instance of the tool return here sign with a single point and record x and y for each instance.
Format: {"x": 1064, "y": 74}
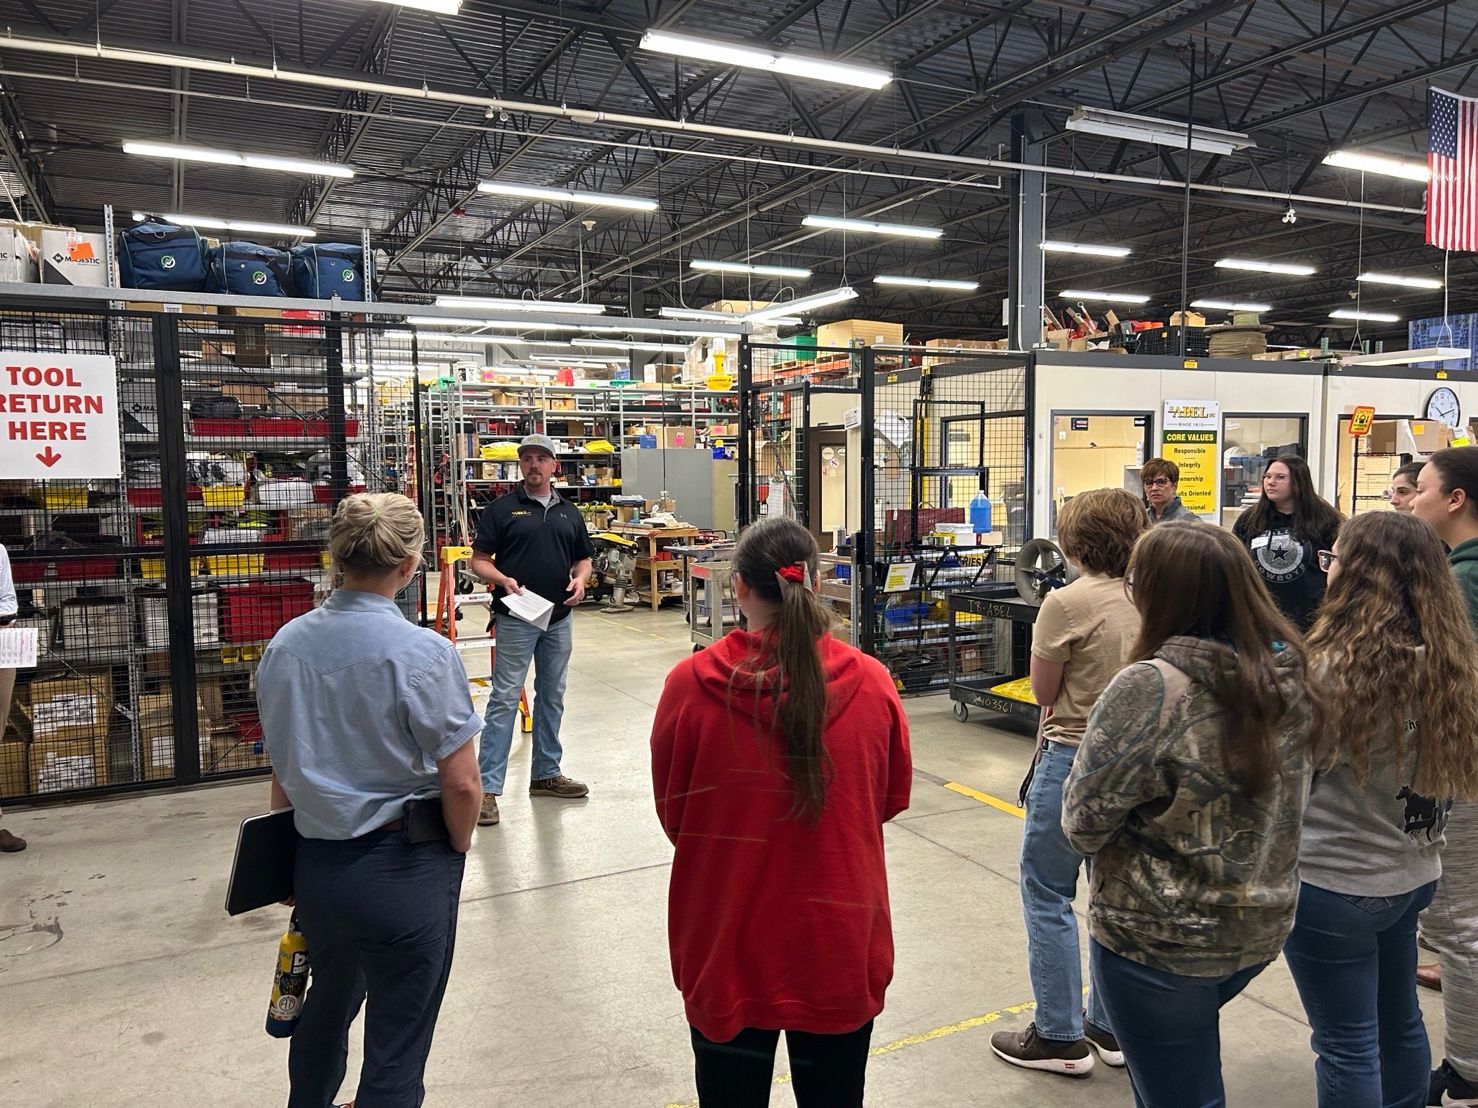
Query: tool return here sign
{"x": 59, "y": 414}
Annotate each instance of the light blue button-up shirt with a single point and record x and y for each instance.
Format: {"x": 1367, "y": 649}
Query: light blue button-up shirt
{"x": 357, "y": 707}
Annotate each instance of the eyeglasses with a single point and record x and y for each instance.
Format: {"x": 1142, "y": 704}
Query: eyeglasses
{"x": 1157, "y": 482}
{"x": 1327, "y": 558}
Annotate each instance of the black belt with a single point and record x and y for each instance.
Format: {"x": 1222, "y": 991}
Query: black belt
{"x": 421, "y": 820}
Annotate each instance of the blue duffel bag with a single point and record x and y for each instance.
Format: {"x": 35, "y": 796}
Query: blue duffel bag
{"x": 246, "y": 269}
{"x": 156, "y": 255}
{"x": 322, "y": 271}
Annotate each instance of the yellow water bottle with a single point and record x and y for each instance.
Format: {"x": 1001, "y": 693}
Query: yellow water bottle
{"x": 289, "y": 983}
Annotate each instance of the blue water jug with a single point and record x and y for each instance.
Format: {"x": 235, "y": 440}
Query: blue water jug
{"x": 980, "y": 514}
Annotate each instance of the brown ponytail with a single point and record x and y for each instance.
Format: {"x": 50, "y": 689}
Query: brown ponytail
{"x": 790, "y": 644}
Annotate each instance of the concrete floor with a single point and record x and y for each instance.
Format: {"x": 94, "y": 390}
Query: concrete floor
{"x": 123, "y": 982}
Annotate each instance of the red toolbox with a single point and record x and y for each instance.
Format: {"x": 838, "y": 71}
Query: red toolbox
{"x": 254, "y": 612}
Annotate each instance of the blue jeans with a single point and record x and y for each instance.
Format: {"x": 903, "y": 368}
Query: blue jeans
{"x": 1169, "y": 1028}
{"x": 1049, "y": 881}
{"x": 1354, "y": 961}
{"x": 380, "y": 917}
{"x": 518, "y": 643}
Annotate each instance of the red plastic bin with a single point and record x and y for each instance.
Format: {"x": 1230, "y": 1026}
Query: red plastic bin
{"x": 324, "y": 494}
{"x": 85, "y": 569}
{"x": 256, "y": 611}
{"x": 146, "y": 497}
{"x": 278, "y": 427}
{"x": 319, "y": 427}
{"x": 221, "y": 428}
{"x": 293, "y": 561}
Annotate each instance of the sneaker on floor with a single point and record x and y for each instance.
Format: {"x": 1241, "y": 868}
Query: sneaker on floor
{"x": 1030, "y": 1051}
{"x": 487, "y": 815}
{"x": 1104, "y": 1045}
{"x": 1448, "y": 1088}
{"x": 561, "y": 787}
{"x": 11, "y": 844}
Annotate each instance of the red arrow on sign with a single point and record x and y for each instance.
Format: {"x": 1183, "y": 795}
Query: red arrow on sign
{"x": 50, "y": 458}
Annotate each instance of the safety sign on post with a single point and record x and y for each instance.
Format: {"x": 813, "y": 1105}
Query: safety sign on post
{"x": 1360, "y": 421}
{"x": 59, "y": 414}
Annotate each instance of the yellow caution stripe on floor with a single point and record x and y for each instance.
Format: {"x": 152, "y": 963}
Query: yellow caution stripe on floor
{"x": 985, "y": 798}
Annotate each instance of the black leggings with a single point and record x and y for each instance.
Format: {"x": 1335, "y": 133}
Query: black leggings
{"x": 828, "y": 1071}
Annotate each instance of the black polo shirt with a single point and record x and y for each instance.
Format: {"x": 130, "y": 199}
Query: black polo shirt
{"x": 534, "y": 545}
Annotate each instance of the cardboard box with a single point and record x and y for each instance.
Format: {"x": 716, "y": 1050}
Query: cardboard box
{"x": 254, "y": 313}
{"x": 866, "y": 332}
{"x": 61, "y": 765}
{"x": 173, "y": 309}
{"x": 211, "y": 699}
{"x": 157, "y": 747}
{"x": 1192, "y": 319}
{"x": 15, "y": 770}
{"x": 89, "y": 624}
{"x": 70, "y": 257}
{"x": 17, "y": 257}
{"x": 64, "y": 708}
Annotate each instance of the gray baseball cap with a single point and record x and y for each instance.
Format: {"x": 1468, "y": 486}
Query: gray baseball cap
{"x": 538, "y": 442}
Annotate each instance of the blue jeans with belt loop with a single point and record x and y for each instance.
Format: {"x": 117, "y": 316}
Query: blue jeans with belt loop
{"x": 380, "y": 916}
{"x": 1049, "y": 881}
{"x": 1353, "y": 959}
{"x": 516, "y": 644}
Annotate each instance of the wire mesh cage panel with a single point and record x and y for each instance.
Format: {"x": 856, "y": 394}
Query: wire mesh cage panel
{"x": 785, "y": 391}
{"x": 88, "y": 715}
{"x": 950, "y": 449}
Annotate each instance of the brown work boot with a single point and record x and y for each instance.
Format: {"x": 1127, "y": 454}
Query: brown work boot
{"x": 11, "y": 844}
{"x": 487, "y": 815}
{"x": 560, "y": 787}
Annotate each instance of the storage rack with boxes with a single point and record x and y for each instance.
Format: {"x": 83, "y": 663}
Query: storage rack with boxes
{"x": 155, "y": 594}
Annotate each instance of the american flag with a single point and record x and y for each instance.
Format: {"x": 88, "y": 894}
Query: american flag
{"x": 1452, "y": 156}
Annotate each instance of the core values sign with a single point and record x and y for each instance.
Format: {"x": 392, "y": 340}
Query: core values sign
{"x": 60, "y": 417}
{"x": 1192, "y": 431}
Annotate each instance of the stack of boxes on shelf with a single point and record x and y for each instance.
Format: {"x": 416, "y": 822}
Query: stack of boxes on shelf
{"x": 63, "y": 725}
{"x": 52, "y": 255}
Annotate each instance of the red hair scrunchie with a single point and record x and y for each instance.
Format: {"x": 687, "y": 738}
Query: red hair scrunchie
{"x": 795, "y": 573}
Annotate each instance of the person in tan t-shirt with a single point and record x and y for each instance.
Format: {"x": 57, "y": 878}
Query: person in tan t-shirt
{"x": 1081, "y": 640}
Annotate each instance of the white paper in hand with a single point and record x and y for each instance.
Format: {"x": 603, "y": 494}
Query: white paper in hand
{"x": 530, "y": 607}
{"x": 18, "y": 646}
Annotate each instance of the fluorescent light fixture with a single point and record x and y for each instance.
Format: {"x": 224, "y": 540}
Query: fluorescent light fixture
{"x": 461, "y": 321}
{"x": 248, "y": 226}
{"x": 1054, "y": 247}
{"x": 440, "y": 7}
{"x": 176, "y": 152}
{"x": 574, "y": 363}
{"x": 1380, "y": 164}
{"x": 1160, "y": 132}
{"x": 488, "y": 340}
{"x": 1111, "y": 297}
{"x": 1252, "y": 265}
{"x": 747, "y": 57}
{"x": 1368, "y": 317}
{"x": 1231, "y": 306}
{"x": 714, "y": 317}
{"x": 804, "y": 304}
{"x": 1397, "y": 279}
{"x": 868, "y": 227}
{"x": 927, "y": 283}
{"x": 613, "y": 344}
{"x": 496, "y": 304}
{"x": 568, "y": 196}
{"x": 757, "y": 270}
{"x": 1411, "y": 357}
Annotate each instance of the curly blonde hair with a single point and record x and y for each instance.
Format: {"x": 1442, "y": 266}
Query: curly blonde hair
{"x": 1395, "y": 593}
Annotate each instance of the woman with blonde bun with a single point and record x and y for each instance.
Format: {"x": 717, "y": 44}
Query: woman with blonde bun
{"x": 369, "y": 724}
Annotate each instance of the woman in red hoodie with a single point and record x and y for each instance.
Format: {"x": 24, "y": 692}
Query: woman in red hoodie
{"x": 777, "y": 756}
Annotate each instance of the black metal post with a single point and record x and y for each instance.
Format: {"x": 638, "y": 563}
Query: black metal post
{"x": 338, "y": 447}
{"x": 179, "y": 608}
{"x": 1185, "y": 227}
{"x": 866, "y": 543}
{"x": 746, "y": 433}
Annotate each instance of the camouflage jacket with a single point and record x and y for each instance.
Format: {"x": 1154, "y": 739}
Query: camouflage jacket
{"x": 1189, "y": 876}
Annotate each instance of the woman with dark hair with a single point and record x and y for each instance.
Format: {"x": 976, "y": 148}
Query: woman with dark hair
{"x": 1284, "y": 531}
{"x": 1160, "y": 479}
{"x": 1447, "y": 498}
{"x": 1398, "y": 661}
{"x": 1188, "y": 792}
{"x": 1403, "y": 486}
{"x": 1081, "y": 638}
{"x": 777, "y": 755}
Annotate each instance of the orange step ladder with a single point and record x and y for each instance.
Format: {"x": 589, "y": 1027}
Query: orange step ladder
{"x": 448, "y": 600}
